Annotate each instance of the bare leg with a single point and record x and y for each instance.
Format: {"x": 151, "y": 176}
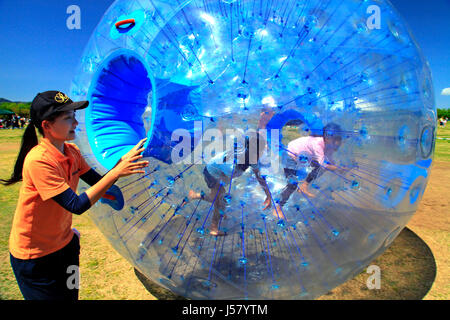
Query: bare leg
{"x": 303, "y": 189}
{"x": 215, "y": 196}
{"x": 219, "y": 207}
{"x": 278, "y": 212}
{"x": 291, "y": 176}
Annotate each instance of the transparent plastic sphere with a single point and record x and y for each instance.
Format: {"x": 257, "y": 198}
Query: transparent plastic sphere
{"x": 194, "y": 75}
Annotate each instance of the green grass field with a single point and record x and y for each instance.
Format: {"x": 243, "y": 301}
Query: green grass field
{"x": 104, "y": 274}
{"x": 442, "y": 151}
{"x": 9, "y": 145}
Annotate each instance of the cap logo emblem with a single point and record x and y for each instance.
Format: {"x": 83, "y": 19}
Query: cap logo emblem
{"x": 61, "y": 98}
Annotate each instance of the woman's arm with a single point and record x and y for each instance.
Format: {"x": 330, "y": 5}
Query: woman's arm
{"x": 127, "y": 165}
{"x": 79, "y": 204}
{"x": 91, "y": 177}
{"x": 72, "y": 202}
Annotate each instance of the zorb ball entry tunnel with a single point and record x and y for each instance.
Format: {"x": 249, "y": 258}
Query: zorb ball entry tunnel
{"x": 199, "y": 73}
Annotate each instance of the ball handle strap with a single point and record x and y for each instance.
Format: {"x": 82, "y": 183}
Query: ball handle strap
{"x": 121, "y": 23}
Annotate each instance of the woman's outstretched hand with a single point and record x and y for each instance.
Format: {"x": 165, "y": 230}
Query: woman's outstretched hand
{"x": 137, "y": 149}
{"x": 128, "y": 164}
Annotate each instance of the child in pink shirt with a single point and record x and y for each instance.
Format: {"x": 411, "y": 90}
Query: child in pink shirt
{"x": 308, "y": 154}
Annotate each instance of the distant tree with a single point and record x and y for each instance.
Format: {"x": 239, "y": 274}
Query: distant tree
{"x": 443, "y": 113}
{"x": 20, "y": 108}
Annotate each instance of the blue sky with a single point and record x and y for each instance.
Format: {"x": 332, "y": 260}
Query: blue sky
{"x": 38, "y": 52}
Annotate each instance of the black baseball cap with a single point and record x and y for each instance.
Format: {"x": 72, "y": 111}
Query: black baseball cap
{"x": 48, "y": 102}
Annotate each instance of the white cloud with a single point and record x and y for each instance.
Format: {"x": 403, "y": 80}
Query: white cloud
{"x": 446, "y": 92}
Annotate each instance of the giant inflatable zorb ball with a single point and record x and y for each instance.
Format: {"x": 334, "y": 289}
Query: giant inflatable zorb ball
{"x": 196, "y": 73}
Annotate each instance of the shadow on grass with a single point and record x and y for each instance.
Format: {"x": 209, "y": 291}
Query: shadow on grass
{"x": 407, "y": 269}
{"x": 156, "y": 290}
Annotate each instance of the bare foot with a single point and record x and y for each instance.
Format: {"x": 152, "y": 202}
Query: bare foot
{"x": 303, "y": 189}
{"x": 278, "y": 213}
{"x": 194, "y": 195}
{"x": 217, "y": 233}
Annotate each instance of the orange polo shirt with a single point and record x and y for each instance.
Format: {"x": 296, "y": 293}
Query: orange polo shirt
{"x": 41, "y": 226}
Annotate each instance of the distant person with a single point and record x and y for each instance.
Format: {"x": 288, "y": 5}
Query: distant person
{"x": 15, "y": 122}
{"x": 42, "y": 242}
{"x": 441, "y": 122}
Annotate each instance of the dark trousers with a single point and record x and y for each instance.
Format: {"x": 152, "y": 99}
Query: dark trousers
{"x": 51, "y": 277}
{"x": 215, "y": 195}
{"x": 291, "y": 176}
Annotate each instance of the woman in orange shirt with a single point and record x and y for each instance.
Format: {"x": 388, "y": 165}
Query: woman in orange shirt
{"x": 44, "y": 249}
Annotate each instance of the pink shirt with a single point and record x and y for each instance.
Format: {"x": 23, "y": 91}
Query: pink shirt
{"x": 313, "y": 147}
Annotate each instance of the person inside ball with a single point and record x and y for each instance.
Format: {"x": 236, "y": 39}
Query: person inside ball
{"x": 226, "y": 166}
{"x": 306, "y": 158}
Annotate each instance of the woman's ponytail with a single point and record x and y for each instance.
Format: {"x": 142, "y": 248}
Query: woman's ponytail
{"x": 29, "y": 140}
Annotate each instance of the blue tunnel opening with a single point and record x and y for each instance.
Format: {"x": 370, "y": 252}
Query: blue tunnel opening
{"x": 119, "y": 96}
{"x": 128, "y": 104}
